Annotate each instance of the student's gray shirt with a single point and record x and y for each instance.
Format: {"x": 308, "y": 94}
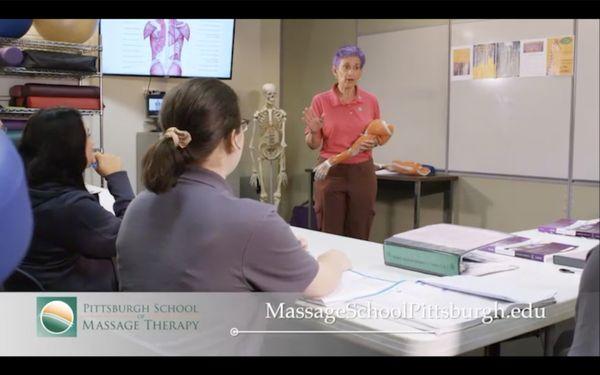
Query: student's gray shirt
{"x": 586, "y": 340}
{"x": 199, "y": 237}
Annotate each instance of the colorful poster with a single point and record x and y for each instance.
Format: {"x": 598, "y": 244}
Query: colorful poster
{"x": 560, "y": 56}
{"x": 533, "y": 58}
{"x": 461, "y": 63}
{"x": 507, "y": 59}
{"x": 484, "y": 61}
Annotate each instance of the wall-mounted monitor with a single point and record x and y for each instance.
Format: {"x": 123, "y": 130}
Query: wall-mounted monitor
{"x": 168, "y": 47}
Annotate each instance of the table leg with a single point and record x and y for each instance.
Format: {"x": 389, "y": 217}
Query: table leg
{"x": 417, "y": 210}
{"x": 492, "y": 350}
{"x": 449, "y": 203}
{"x": 310, "y": 199}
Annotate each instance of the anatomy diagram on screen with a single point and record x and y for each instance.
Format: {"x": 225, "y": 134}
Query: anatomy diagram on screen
{"x": 166, "y": 43}
{"x": 270, "y": 122}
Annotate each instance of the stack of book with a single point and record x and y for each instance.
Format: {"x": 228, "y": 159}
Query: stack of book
{"x": 572, "y": 227}
{"x": 523, "y": 247}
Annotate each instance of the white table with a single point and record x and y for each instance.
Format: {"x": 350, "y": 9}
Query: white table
{"x": 368, "y": 257}
{"x": 106, "y": 200}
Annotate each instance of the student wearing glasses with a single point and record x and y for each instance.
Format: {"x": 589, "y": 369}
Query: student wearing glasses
{"x": 189, "y": 232}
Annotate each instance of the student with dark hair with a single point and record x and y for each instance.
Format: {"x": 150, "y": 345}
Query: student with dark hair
{"x": 74, "y": 237}
{"x": 188, "y": 232}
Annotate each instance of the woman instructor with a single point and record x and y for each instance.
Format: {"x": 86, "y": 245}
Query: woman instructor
{"x": 345, "y": 199}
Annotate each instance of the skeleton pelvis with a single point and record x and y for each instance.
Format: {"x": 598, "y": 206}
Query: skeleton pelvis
{"x": 269, "y": 151}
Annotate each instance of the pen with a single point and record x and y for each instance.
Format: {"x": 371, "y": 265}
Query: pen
{"x": 564, "y": 270}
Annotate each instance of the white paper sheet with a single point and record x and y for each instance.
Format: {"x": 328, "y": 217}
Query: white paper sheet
{"x": 453, "y": 236}
{"x": 491, "y": 288}
{"x": 533, "y": 58}
{"x": 355, "y": 285}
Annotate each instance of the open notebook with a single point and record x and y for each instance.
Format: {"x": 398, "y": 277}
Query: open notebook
{"x": 355, "y": 285}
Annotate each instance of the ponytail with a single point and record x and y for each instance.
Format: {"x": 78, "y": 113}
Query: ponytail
{"x": 196, "y": 117}
{"x": 162, "y": 165}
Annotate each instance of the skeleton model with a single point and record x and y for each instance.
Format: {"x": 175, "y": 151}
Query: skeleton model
{"x": 270, "y": 122}
{"x": 160, "y": 31}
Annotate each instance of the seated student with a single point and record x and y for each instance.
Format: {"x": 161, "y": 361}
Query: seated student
{"x": 74, "y": 237}
{"x": 586, "y": 341}
{"x": 189, "y": 232}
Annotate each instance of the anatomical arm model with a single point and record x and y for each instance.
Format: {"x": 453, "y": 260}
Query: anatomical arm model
{"x": 377, "y": 130}
{"x": 411, "y": 168}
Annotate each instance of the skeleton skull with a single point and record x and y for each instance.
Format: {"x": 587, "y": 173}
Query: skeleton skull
{"x": 270, "y": 92}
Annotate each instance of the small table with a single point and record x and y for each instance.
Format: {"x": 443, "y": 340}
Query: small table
{"x": 416, "y": 186}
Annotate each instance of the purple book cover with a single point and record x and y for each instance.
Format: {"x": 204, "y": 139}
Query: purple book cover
{"x": 491, "y": 247}
{"x": 539, "y": 251}
{"x": 590, "y": 230}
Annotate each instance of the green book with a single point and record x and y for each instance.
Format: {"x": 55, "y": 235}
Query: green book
{"x": 436, "y": 249}
{"x": 422, "y": 257}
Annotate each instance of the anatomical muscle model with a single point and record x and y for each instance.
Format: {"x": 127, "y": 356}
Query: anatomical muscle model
{"x": 377, "y": 130}
{"x": 411, "y": 168}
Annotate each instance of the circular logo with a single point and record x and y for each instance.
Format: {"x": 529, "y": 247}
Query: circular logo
{"x": 56, "y": 317}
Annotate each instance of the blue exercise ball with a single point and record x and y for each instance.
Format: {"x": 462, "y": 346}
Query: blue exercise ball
{"x": 16, "y": 217}
{"x": 14, "y": 28}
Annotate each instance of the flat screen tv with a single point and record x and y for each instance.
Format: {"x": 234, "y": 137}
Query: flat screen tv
{"x": 167, "y": 47}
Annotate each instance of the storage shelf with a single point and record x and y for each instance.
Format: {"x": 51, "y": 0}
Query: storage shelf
{"x": 17, "y": 112}
{"x": 46, "y": 73}
{"x": 47, "y": 45}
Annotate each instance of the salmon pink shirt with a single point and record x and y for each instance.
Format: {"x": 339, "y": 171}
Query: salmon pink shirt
{"x": 344, "y": 123}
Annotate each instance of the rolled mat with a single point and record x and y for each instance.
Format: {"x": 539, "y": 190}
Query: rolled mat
{"x": 46, "y": 102}
{"x": 10, "y": 56}
{"x": 17, "y": 101}
{"x": 58, "y": 60}
{"x": 13, "y": 124}
{"x": 61, "y": 91}
{"x": 16, "y": 91}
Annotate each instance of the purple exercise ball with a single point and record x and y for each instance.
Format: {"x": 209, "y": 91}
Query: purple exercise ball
{"x": 14, "y": 28}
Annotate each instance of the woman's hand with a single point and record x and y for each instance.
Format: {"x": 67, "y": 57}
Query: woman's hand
{"x": 338, "y": 258}
{"x": 314, "y": 122}
{"x": 107, "y": 164}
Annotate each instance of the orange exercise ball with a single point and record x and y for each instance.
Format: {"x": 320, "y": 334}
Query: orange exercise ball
{"x": 63, "y": 30}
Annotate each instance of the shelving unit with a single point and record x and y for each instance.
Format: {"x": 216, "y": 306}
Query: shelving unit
{"x": 20, "y": 112}
{"x": 46, "y": 73}
{"x": 48, "y": 45}
{"x": 8, "y": 112}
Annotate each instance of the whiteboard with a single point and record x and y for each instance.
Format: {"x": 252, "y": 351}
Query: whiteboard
{"x": 408, "y": 72}
{"x": 586, "y": 155}
{"x": 511, "y": 126}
